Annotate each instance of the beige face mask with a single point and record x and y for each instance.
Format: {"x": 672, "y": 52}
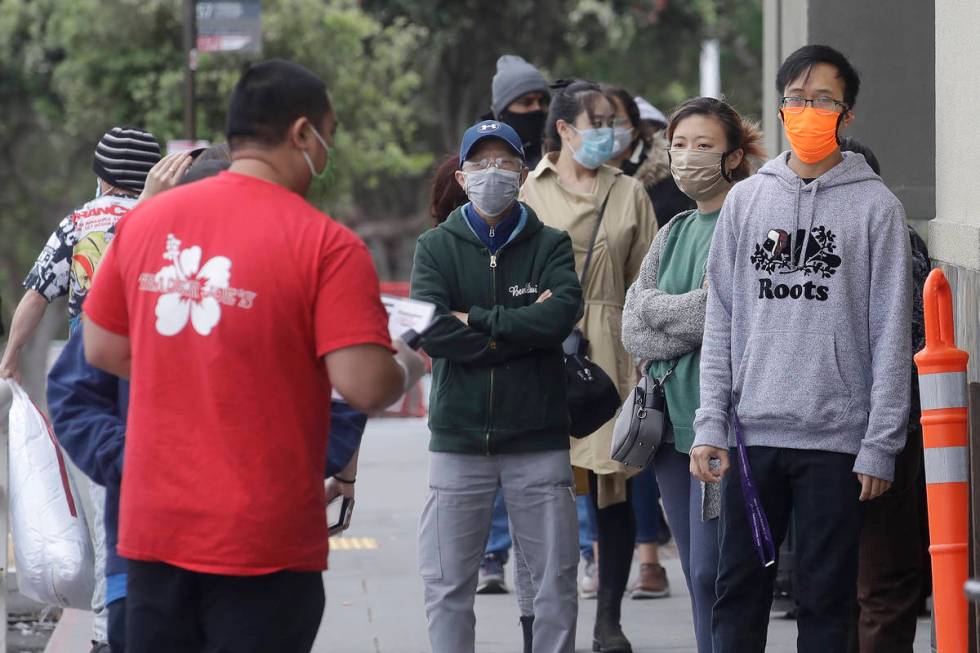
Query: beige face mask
{"x": 698, "y": 174}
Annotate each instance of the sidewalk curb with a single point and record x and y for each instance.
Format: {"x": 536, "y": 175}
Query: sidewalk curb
{"x": 74, "y": 629}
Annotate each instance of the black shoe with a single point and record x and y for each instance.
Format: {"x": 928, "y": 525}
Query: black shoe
{"x": 527, "y": 625}
{"x": 491, "y": 578}
{"x": 608, "y": 635}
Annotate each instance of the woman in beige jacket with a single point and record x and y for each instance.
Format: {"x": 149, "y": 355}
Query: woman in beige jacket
{"x": 566, "y": 190}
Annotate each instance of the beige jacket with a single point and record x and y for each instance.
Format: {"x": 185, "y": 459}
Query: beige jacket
{"x": 628, "y": 228}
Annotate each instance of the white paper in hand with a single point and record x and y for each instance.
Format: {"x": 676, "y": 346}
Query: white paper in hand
{"x": 405, "y": 314}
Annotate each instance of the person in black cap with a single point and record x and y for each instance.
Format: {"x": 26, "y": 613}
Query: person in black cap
{"x": 506, "y": 296}
{"x": 122, "y": 160}
{"x": 520, "y": 99}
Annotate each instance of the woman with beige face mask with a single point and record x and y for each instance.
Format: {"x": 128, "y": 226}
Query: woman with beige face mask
{"x": 663, "y": 323}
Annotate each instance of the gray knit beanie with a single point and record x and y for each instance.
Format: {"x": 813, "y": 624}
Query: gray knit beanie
{"x": 515, "y": 77}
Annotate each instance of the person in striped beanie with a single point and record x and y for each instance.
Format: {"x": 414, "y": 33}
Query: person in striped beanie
{"x": 123, "y": 158}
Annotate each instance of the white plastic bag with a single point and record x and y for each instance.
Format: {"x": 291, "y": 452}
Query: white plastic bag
{"x": 55, "y": 561}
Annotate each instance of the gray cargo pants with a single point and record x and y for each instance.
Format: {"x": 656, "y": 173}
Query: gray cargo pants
{"x": 453, "y": 531}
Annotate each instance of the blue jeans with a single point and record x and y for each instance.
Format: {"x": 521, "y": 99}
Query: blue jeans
{"x": 586, "y": 527}
{"x": 499, "y": 542}
{"x": 697, "y": 541}
{"x": 646, "y": 506}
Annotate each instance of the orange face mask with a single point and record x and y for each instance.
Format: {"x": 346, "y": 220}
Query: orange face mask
{"x": 811, "y": 134}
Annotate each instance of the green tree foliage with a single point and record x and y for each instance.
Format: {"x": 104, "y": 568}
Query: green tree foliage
{"x": 406, "y": 76}
{"x": 69, "y": 69}
{"x": 652, "y": 48}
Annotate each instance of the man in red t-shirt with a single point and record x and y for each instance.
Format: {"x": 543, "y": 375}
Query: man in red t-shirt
{"x": 235, "y": 307}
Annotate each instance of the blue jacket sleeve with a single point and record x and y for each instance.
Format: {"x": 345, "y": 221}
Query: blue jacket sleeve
{"x": 88, "y": 409}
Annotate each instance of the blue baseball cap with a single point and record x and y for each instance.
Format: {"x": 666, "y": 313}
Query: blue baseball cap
{"x": 489, "y": 129}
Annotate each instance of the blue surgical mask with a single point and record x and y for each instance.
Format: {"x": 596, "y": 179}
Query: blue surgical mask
{"x": 596, "y": 148}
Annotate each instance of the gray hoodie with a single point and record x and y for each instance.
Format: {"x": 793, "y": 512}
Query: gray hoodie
{"x": 809, "y": 306}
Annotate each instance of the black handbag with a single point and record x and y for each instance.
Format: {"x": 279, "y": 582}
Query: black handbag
{"x": 592, "y": 396}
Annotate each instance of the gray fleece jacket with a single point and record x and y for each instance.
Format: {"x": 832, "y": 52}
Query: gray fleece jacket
{"x": 658, "y": 326}
{"x": 809, "y": 306}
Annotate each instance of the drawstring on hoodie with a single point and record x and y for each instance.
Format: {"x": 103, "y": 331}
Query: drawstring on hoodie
{"x": 813, "y": 185}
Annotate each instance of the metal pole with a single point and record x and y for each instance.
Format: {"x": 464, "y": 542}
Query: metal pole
{"x": 190, "y": 65}
{"x": 711, "y": 68}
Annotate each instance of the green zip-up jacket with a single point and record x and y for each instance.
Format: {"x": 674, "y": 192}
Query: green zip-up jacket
{"x": 498, "y": 382}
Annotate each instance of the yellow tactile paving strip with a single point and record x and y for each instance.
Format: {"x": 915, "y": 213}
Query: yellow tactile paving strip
{"x": 353, "y": 544}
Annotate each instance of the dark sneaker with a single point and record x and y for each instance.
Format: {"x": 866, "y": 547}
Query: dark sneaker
{"x": 491, "y": 580}
{"x": 652, "y": 583}
{"x": 100, "y": 647}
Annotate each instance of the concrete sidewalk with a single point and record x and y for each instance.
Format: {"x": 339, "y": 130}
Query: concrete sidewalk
{"x": 374, "y": 594}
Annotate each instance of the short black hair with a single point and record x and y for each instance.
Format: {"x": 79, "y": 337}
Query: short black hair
{"x": 853, "y": 145}
{"x": 271, "y": 96}
{"x": 806, "y": 57}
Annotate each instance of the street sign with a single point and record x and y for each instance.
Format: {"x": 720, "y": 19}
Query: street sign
{"x": 229, "y": 26}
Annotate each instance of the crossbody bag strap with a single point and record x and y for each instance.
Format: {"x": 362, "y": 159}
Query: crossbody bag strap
{"x": 595, "y": 236}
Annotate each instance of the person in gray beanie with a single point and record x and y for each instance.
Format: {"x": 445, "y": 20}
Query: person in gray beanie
{"x": 520, "y": 98}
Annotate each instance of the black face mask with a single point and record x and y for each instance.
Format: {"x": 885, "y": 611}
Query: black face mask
{"x": 530, "y": 128}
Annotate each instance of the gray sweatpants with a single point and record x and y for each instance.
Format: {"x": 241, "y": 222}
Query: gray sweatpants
{"x": 453, "y": 531}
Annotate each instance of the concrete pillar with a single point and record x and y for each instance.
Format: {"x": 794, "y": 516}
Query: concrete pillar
{"x": 955, "y": 233}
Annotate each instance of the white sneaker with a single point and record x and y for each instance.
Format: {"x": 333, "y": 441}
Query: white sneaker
{"x": 588, "y": 584}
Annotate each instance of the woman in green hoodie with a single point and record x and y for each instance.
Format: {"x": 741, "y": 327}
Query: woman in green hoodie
{"x": 663, "y": 322}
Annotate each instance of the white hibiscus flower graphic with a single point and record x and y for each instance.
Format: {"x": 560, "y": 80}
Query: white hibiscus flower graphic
{"x": 189, "y": 290}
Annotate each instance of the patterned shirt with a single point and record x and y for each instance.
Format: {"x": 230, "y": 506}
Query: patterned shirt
{"x": 68, "y": 261}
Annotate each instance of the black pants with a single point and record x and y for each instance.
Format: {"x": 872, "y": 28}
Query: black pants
{"x": 890, "y": 576}
{"x": 172, "y": 610}
{"x": 616, "y": 537}
{"x": 822, "y": 490}
{"x": 117, "y": 626}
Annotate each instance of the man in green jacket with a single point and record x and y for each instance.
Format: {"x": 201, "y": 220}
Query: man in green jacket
{"x": 507, "y": 295}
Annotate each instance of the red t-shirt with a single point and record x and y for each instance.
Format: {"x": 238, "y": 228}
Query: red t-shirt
{"x": 231, "y": 291}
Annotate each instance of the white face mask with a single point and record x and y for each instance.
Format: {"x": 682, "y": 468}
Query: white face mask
{"x": 309, "y": 161}
{"x": 98, "y": 189}
{"x": 492, "y": 190}
{"x": 622, "y": 137}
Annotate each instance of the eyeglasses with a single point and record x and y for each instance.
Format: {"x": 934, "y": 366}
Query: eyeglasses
{"x": 501, "y": 163}
{"x": 823, "y": 105}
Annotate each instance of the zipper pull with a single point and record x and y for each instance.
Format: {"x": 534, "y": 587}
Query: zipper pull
{"x": 492, "y": 231}
{"x": 493, "y": 260}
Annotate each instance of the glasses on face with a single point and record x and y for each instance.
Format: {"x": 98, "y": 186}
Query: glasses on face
{"x": 823, "y": 105}
{"x": 507, "y": 163}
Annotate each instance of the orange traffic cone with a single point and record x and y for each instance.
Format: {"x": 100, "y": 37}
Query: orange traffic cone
{"x": 942, "y": 389}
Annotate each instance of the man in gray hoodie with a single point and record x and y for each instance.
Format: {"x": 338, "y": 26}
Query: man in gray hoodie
{"x": 806, "y": 348}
